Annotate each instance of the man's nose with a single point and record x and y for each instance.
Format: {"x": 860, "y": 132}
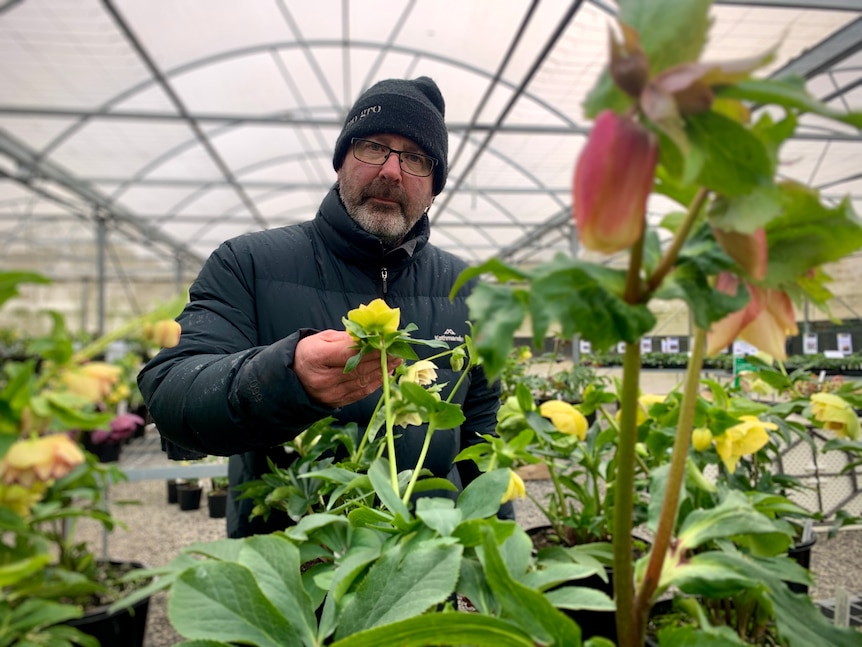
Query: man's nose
{"x": 391, "y": 168}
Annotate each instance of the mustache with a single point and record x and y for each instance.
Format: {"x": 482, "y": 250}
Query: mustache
{"x": 384, "y": 191}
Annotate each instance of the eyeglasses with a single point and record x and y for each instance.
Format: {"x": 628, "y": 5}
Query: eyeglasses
{"x": 371, "y": 152}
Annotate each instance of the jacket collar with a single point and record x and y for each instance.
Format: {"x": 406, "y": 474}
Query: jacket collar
{"x": 355, "y": 245}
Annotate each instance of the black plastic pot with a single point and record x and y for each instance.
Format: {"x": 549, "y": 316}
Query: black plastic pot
{"x": 124, "y": 628}
{"x": 801, "y": 553}
{"x": 172, "y": 491}
{"x": 189, "y": 496}
{"x": 217, "y": 504}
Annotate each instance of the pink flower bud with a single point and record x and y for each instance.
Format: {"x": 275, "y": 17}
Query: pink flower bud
{"x": 613, "y": 179}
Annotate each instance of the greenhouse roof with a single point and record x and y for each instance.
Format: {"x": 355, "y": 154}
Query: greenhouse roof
{"x": 137, "y": 136}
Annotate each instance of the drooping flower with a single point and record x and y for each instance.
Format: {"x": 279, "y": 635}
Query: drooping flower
{"x": 21, "y": 499}
{"x": 93, "y": 381}
{"x": 422, "y": 372}
{"x": 836, "y": 414}
{"x": 565, "y": 417}
{"x": 750, "y": 251}
{"x": 376, "y": 317}
{"x": 516, "y": 488}
{"x": 165, "y": 333}
{"x": 748, "y": 437}
{"x": 122, "y": 427}
{"x": 613, "y": 179}
{"x": 42, "y": 459}
{"x": 765, "y": 322}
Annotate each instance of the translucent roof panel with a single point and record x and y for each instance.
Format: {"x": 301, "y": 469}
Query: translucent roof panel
{"x": 155, "y": 130}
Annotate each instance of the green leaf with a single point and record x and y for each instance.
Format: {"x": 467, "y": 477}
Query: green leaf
{"x": 580, "y": 597}
{"x": 808, "y": 234}
{"x": 733, "y": 516}
{"x": 530, "y": 609}
{"x": 481, "y": 498}
{"x": 402, "y": 584}
{"x": 746, "y": 213}
{"x": 275, "y": 562}
{"x": 445, "y": 630}
{"x": 735, "y": 160}
{"x": 789, "y": 92}
{"x": 236, "y": 611}
{"x": 584, "y": 298}
{"x": 500, "y": 270}
{"x": 498, "y": 311}
{"x": 391, "y": 500}
{"x": 689, "y": 636}
{"x": 10, "y": 281}
{"x": 439, "y": 514}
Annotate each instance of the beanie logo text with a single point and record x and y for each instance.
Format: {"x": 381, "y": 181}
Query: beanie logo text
{"x": 365, "y": 112}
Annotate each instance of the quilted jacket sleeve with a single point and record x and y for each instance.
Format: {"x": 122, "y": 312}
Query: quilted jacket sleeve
{"x": 219, "y": 392}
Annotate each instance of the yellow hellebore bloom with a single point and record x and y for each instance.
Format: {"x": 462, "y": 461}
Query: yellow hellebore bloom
{"x": 21, "y": 499}
{"x": 422, "y": 372}
{"x": 644, "y": 404}
{"x": 93, "y": 381}
{"x": 836, "y": 414}
{"x": 40, "y": 460}
{"x": 376, "y": 317}
{"x": 516, "y": 488}
{"x": 748, "y": 437}
{"x": 565, "y": 417}
{"x": 701, "y": 439}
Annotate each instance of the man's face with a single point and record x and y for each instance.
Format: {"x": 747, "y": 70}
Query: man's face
{"x": 384, "y": 200}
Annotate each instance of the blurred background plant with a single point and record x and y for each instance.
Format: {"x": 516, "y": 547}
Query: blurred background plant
{"x": 53, "y": 394}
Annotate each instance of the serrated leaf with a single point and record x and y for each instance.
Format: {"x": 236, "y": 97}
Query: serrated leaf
{"x": 481, "y": 498}
{"x": 498, "y": 311}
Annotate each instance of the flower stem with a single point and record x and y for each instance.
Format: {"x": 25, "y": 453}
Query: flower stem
{"x": 419, "y": 463}
{"x": 390, "y": 423}
{"x": 672, "y": 252}
{"x": 676, "y": 474}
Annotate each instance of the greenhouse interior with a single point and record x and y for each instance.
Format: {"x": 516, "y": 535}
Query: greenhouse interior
{"x": 137, "y": 137}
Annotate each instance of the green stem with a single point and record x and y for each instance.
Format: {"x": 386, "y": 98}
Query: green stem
{"x": 676, "y": 474}
{"x": 364, "y": 440}
{"x": 419, "y": 463}
{"x": 667, "y": 262}
{"x": 624, "y": 500}
{"x": 390, "y": 423}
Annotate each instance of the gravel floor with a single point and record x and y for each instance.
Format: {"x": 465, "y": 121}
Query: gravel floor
{"x": 156, "y": 531}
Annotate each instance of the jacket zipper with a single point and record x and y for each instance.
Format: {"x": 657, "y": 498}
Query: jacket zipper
{"x": 384, "y": 274}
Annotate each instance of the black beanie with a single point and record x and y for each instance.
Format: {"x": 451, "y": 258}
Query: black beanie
{"x": 412, "y": 109}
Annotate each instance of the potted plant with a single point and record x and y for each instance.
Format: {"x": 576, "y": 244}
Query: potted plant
{"x": 217, "y": 497}
{"x": 189, "y": 492}
{"x": 55, "y": 588}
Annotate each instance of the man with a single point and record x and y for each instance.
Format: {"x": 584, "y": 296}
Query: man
{"x": 262, "y": 351}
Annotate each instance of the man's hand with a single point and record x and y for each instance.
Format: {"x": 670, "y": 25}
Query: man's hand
{"x": 319, "y": 364}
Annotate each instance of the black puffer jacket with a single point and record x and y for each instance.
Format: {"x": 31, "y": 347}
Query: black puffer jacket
{"x": 228, "y": 388}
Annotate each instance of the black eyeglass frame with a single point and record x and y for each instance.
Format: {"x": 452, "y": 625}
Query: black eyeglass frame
{"x": 434, "y": 160}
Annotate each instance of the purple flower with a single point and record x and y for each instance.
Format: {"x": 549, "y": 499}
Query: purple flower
{"x": 122, "y": 427}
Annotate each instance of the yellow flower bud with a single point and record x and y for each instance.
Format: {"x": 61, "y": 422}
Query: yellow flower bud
{"x": 701, "y": 439}
{"x": 40, "y": 460}
{"x": 516, "y": 488}
{"x": 566, "y": 418}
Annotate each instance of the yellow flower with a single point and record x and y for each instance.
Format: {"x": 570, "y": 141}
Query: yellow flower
{"x": 644, "y": 404}
{"x": 701, "y": 439}
{"x": 422, "y": 372}
{"x": 165, "y": 333}
{"x": 836, "y": 414}
{"x": 93, "y": 381}
{"x": 748, "y": 437}
{"x": 524, "y": 354}
{"x": 41, "y": 459}
{"x": 376, "y": 317}
{"x": 516, "y": 488}
{"x": 565, "y": 417}
{"x": 21, "y": 499}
